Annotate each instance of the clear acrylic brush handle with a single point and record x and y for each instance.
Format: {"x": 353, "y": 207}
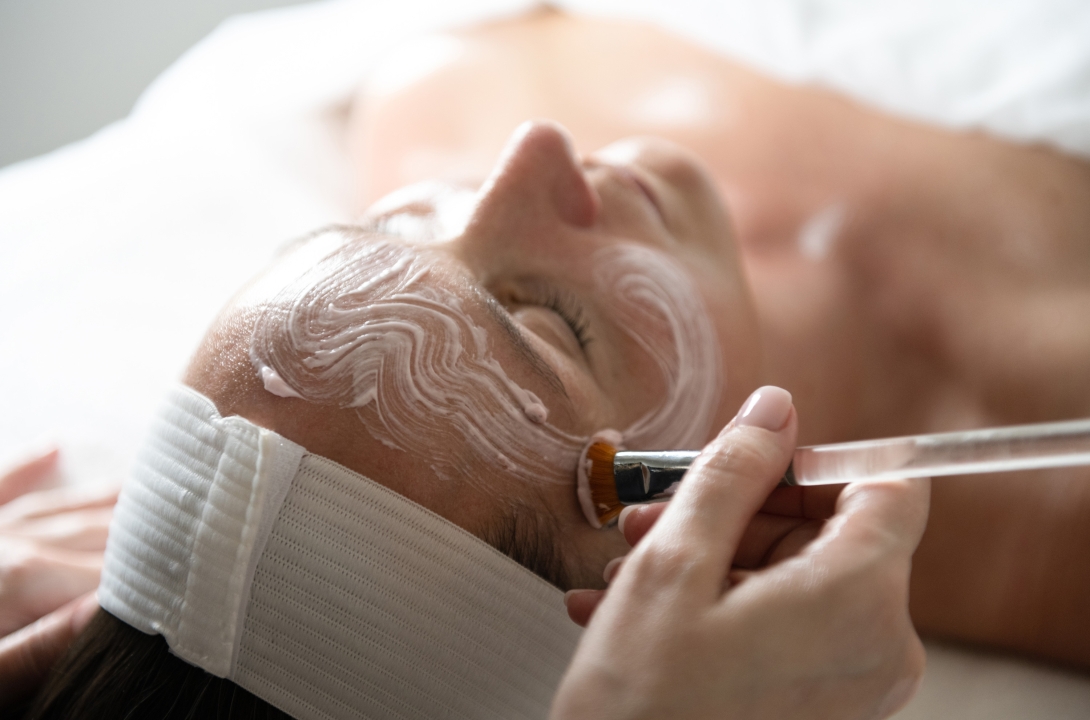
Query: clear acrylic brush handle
{"x": 1019, "y": 447}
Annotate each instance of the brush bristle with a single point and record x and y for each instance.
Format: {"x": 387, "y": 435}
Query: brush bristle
{"x": 603, "y": 490}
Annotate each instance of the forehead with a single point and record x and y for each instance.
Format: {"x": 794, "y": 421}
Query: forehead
{"x": 382, "y": 269}
{"x": 402, "y": 334}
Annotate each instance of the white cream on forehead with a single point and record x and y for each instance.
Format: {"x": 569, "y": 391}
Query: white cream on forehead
{"x": 371, "y": 325}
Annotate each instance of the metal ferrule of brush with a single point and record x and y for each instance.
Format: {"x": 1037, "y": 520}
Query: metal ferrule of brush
{"x": 644, "y": 476}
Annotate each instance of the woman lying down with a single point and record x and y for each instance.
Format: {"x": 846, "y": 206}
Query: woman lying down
{"x": 462, "y": 346}
{"x": 466, "y": 373}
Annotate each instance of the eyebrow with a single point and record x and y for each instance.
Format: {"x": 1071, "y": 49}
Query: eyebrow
{"x": 524, "y": 348}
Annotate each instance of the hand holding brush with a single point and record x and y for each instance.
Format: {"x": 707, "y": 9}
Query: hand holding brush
{"x": 612, "y": 480}
{"x": 822, "y": 633}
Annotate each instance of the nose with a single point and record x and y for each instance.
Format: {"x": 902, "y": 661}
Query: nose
{"x": 538, "y": 179}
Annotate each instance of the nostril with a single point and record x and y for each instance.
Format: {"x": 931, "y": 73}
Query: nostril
{"x": 575, "y": 200}
{"x": 541, "y": 157}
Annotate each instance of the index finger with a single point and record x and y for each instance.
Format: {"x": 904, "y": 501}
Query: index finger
{"x": 23, "y": 477}
{"x": 698, "y": 534}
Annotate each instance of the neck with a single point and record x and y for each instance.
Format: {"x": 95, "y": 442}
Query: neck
{"x": 819, "y": 343}
{"x": 948, "y": 303}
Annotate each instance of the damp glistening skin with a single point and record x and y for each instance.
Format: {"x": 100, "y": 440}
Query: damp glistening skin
{"x": 373, "y": 323}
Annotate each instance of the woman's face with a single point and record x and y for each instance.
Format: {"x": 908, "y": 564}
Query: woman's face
{"x": 482, "y": 337}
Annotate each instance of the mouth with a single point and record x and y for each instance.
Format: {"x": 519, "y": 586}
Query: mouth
{"x": 632, "y": 178}
{"x": 647, "y": 191}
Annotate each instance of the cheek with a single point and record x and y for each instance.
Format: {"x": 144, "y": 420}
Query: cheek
{"x": 735, "y": 320}
{"x": 375, "y": 327}
{"x": 575, "y": 406}
{"x": 635, "y": 383}
{"x": 585, "y": 550}
{"x": 654, "y": 301}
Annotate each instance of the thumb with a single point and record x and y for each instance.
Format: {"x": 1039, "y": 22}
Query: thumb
{"x": 725, "y": 488}
{"x": 27, "y": 655}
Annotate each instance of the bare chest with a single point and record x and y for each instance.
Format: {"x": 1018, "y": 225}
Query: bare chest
{"x": 956, "y": 266}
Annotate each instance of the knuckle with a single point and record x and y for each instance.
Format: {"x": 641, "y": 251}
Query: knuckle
{"x": 19, "y": 576}
{"x": 902, "y": 504}
{"x": 20, "y": 564}
{"x": 883, "y": 600}
{"x": 875, "y": 599}
{"x": 662, "y": 564}
{"x": 741, "y": 454}
{"x": 915, "y": 658}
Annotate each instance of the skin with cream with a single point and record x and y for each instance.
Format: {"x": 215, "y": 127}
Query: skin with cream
{"x": 462, "y": 346}
{"x": 890, "y": 265}
{"x": 374, "y": 325}
{"x": 654, "y": 299}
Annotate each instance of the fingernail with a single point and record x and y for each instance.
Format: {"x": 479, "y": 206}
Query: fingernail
{"x": 572, "y": 593}
{"x": 611, "y": 569}
{"x": 768, "y": 408}
{"x": 628, "y": 510}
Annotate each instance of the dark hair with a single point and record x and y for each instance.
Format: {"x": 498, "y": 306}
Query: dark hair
{"x": 113, "y": 671}
{"x": 528, "y": 533}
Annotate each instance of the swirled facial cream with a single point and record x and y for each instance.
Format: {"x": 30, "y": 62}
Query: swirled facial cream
{"x": 377, "y": 324}
{"x": 653, "y": 300}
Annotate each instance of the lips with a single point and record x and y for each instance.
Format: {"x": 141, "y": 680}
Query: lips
{"x": 630, "y": 177}
{"x": 645, "y": 188}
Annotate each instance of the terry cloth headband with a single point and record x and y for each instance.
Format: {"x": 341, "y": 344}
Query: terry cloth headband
{"x": 320, "y": 590}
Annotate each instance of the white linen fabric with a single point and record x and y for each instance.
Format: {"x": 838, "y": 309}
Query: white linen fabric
{"x": 319, "y": 590}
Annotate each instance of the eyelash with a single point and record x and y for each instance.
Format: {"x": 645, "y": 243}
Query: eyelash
{"x": 570, "y": 311}
{"x": 561, "y": 302}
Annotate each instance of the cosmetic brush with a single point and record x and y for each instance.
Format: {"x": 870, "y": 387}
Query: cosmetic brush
{"x": 615, "y": 478}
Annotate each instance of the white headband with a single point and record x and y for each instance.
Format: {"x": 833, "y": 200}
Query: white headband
{"x": 319, "y": 590}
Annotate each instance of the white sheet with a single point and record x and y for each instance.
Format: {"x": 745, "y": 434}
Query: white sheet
{"x": 116, "y": 252}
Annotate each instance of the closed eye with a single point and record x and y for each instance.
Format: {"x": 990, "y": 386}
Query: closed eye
{"x": 570, "y": 310}
{"x": 543, "y": 293}
{"x": 561, "y": 301}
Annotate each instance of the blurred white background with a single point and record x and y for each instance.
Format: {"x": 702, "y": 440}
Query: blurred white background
{"x": 69, "y": 67}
